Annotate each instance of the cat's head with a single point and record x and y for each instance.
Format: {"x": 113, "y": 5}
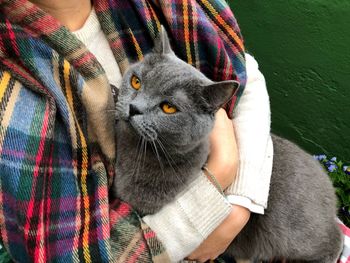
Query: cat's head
{"x": 164, "y": 98}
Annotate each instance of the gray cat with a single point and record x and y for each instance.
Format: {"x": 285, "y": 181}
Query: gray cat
{"x": 165, "y": 112}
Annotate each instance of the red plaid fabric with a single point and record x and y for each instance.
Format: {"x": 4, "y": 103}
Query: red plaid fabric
{"x": 57, "y": 143}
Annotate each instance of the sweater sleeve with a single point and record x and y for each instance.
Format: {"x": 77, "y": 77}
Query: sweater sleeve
{"x": 252, "y": 126}
{"x": 183, "y": 225}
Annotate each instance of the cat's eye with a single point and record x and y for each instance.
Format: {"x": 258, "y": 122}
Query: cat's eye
{"x": 135, "y": 82}
{"x": 168, "y": 108}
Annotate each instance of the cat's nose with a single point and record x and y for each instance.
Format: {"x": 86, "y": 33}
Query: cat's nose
{"x": 133, "y": 110}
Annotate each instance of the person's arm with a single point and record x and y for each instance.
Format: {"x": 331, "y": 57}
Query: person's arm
{"x": 218, "y": 241}
{"x": 252, "y": 126}
{"x": 185, "y": 223}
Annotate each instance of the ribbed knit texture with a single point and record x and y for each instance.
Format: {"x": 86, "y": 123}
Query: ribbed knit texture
{"x": 188, "y": 221}
{"x": 56, "y": 140}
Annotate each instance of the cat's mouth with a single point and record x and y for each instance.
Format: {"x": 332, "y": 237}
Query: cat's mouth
{"x": 144, "y": 130}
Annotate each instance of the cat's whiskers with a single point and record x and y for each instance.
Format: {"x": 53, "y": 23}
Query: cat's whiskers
{"x": 170, "y": 160}
{"x": 138, "y": 148}
{"x": 137, "y": 151}
{"x": 167, "y": 156}
{"x": 144, "y": 154}
{"x": 165, "y": 141}
{"x": 158, "y": 157}
{"x": 141, "y": 155}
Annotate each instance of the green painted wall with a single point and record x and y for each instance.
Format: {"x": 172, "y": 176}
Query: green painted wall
{"x": 303, "y": 48}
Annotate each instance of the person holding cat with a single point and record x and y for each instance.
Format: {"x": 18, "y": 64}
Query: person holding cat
{"x": 57, "y": 146}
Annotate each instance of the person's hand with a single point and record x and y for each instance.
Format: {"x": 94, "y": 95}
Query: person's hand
{"x": 223, "y": 157}
{"x": 222, "y": 236}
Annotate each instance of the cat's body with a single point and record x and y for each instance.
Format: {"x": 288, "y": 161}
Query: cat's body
{"x": 299, "y": 222}
{"x": 165, "y": 116}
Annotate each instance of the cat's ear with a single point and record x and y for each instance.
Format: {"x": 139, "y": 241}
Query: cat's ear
{"x": 162, "y": 43}
{"x": 218, "y": 94}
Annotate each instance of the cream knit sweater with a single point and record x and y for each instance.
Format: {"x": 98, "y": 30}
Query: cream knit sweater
{"x": 182, "y": 225}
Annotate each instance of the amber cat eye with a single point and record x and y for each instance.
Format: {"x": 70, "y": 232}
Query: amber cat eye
{"x": 135, "y": 82}
{"x": 168, "y": 108}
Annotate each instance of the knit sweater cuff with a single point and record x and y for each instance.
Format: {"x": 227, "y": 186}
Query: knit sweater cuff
{"x": 184, "y": 224}
{"x": 252, "y": 179}
{"x": 245, "y": 202}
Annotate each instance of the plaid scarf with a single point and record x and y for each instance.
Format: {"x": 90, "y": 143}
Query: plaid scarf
{"x": 56, "y": 140}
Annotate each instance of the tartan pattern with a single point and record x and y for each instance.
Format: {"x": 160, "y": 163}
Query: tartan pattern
{"x": 56, "y": 143}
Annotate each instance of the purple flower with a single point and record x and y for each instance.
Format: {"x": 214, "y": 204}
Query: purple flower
{"x": 345, "y": 168}
{"x": 320, "y": 157}
{"x": 329, "y": 163}
{"x": 334, "y": 159}
{"x": 332, "y": 168}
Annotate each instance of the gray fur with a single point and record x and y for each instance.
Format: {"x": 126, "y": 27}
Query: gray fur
{"x": 299, "y": 223}
{"x": 159, "y": 154}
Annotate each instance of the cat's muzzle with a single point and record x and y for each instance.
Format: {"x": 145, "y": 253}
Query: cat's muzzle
{"x": 145, "y": 131}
